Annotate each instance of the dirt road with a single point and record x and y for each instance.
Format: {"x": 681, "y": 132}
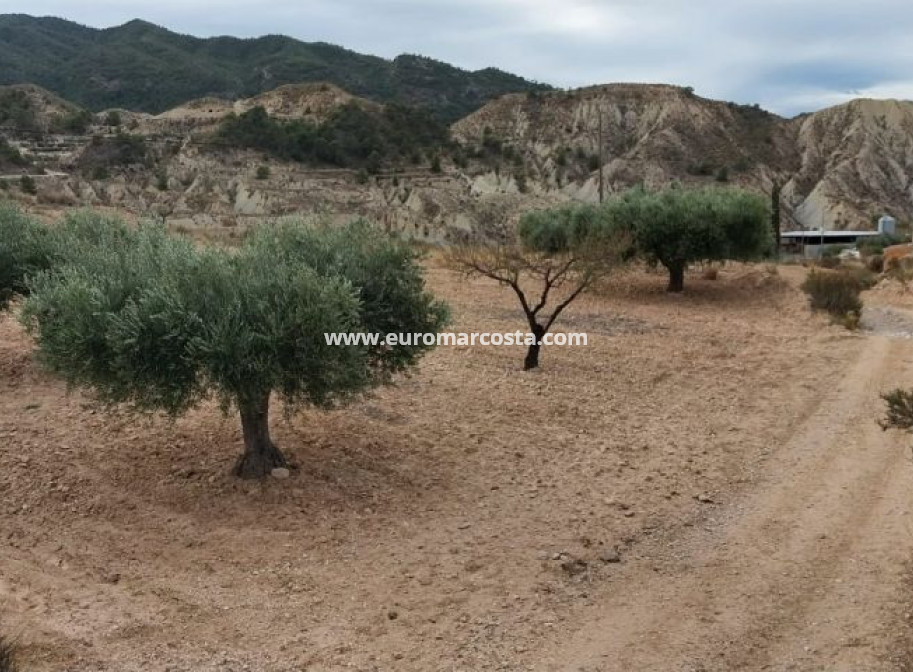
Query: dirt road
{"x": 805, "y": 572}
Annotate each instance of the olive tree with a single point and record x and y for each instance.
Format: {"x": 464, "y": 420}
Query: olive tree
{"x": 555, "y": 256}
{"x": 677, "y": 226}
{"x": 159, "y": 324}
{"x": 24, "y": 251}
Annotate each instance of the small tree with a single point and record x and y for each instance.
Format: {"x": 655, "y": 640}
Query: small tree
{"x": 677, "y": 227}
{"x": 159, "y": 324}
{"x": 558, "y": 255}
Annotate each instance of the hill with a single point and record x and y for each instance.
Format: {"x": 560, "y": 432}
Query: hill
{"x": 839, "y": 167}
{"x": 317, "y": 148}
{"x": 143, "y": 67}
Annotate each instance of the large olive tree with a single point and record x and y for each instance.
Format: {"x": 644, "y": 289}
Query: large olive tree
{"x": 157, "y": 323}
{"x": 680, "y": 226}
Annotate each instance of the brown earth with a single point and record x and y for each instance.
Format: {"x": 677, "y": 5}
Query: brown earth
{"x": 703, "y": 487}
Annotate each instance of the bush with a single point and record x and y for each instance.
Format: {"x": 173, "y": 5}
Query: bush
{"x": 27, "y": 184}
{"x": 836, "y": 293}
{"x": 875, "y": 263}
{"x": 7, "y": 655}
{"x": 900, "y": 410}
{"x": 262, "y": 172}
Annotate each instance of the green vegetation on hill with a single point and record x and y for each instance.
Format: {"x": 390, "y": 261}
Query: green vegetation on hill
{"x": 144, "y": 67}
{"x": 19, "y": 113}
{"x": 352, "y": 137}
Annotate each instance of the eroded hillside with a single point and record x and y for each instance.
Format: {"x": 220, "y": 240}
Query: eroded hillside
{"x": 839, "y": 167}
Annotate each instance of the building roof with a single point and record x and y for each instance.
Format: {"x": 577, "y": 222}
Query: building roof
{"x": 830, "y": 234}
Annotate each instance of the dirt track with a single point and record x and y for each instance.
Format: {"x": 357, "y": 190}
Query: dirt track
{"x": 801, "y": 573}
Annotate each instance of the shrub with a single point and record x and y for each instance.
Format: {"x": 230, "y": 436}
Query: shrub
{"x": 27, "y": 184}
{"x": 900, "y": 410}
{"x": 7, "y": 655}
{"x": 262, "y": 172}
{"x": 875, "y": 263}
{"x": 836, "y": 293}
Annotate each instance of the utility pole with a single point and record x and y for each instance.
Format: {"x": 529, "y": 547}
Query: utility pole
{"x": 601, "y": 162}
{"x": 775, "y": 217}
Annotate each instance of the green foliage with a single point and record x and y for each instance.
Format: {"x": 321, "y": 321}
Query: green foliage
{"x": 436, "y": 164}
{"x": 900, "y": 410}
{"x": 722, "y": 175}
{"x": 157, "y": 69}
{"x": 161, "y": 180}
{"x": 113, "y": 119}
{"x": 154, "y": 322}
{"x": 677, "y": 227}
{"x": 836, "y": 293}
{"x": 352, "y": 137}
{"x": 570, "y": 228}
{"x": 76, "y": 122}
{"x": 24, "y": 251}
{"x": 833, "y": 251}
{"x": 386, "y": 275}
{"x": 27, "y": 184}
{"x": 262, "y": 172}
{"x": 18, "y": 111}
{"x": 877, "y": 244}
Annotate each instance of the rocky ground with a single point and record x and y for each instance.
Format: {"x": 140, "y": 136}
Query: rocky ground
{"x": 601, "y": 513}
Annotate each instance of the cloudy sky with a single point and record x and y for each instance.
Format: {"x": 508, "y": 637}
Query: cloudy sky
{"x": 788, "y": 55}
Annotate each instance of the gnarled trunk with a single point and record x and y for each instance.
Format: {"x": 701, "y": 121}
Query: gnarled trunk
{"x": 260, "y": 453}
{"x": 532, "y": 354}
{"x": 676, "y": 277}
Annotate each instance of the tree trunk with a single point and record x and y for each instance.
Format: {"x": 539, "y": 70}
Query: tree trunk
{"x": 260, "y": 453}
{"x": 532, "y": 354}
{"x": 676, "y": 277}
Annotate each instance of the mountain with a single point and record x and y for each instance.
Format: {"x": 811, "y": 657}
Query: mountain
{"x": 143, "y": 67}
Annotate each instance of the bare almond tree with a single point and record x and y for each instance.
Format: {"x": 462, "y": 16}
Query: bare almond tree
{"x": 538, "y": 279}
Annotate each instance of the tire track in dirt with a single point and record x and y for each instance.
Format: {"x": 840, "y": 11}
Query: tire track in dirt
{"x": 802, "y": 573}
